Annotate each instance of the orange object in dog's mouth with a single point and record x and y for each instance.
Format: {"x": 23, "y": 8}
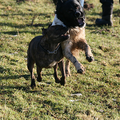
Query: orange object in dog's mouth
{"x": 66, "y": 35}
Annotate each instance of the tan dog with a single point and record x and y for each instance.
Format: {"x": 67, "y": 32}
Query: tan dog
{"x": 71, "y": 46}
{"x": 70, "y": 14}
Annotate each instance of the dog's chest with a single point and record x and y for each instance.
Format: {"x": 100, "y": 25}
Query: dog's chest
{"x": 53, "y": 63}
{"x": 77, "y": 33}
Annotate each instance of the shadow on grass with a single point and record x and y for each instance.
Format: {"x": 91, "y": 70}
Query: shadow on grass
{"x": 116, "y": 13}
{"x": 14, "y": 77}
{"x": 25, "y": 25}
{"x": 10, "y": 89}
{"x": 26, "y": 14}
{"x": 32, "y": 32}
{"x": 26, "y": 77}
{"x": 12, "y": 25}
{"x": 7, "y": 90}
{"x": 19, "y": 26}
{"x": 15, "y": 32}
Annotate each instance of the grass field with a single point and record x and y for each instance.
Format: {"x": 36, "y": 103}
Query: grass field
{"x": 94, "y": 95}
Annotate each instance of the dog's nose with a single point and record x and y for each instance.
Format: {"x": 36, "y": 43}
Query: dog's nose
{"x": 78, "y": 14}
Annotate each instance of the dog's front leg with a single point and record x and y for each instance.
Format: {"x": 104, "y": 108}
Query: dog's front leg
{"x": 88, "y": 53}
{"x": 57, "y": 80}
{"x": 67, "y": 53}
{"x": 62, "y": 69}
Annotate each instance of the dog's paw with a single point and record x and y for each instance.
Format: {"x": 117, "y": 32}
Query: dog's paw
{"x": 67, "y": 72}
{"x": 81, "y": 71}
{"x": 33, "y": 85}
{"x": 90, "y": 58}
{"x": 39, "y": 79}
{"x": 57, "y": 80}
{"x": 68, "y": 75}
{"x": 62, "y": 81}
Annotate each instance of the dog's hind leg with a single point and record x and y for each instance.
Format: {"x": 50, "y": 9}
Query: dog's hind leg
{"x": 30, "y": 65}
{"x": 67, "y": 68}
{"x": 39, "y": 73}
{"x": 62, "y": 69}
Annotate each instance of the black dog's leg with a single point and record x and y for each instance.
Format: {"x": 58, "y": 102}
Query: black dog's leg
{"x": 39, "y": 73}
{"x": 30, "y": 66}
{"x": 57, "y": 80}
{"x": 62, "y": 69}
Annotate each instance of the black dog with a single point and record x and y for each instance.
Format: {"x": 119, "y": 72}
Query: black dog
{"x": 46, "y": 52}
{"x": 70, "y": 14}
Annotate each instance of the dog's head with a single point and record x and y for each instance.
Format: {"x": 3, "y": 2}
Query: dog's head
{"x": 56, "y": 34}
{"x": 71, "y": 13}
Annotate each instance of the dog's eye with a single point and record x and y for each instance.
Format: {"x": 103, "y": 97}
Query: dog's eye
{"x": 71, "y": 10}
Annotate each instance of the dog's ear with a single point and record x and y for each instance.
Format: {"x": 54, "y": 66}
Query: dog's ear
{"x": 59, "y": 4}
{"x": 44, "y": 31}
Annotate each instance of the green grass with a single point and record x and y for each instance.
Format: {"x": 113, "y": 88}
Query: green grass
{"x": 99, "y": 87}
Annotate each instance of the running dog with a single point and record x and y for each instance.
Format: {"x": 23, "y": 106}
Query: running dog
{"x": 70, "y": 14}
{"x": 46, "y": 52}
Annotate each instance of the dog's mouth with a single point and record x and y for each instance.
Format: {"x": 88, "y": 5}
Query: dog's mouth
{"x": 65, "y": 35}
{"x": 81, "y": 22}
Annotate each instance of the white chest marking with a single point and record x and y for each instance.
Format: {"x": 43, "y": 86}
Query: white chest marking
{"x": 56, "y": 21}
{"x": 53, "y": 64}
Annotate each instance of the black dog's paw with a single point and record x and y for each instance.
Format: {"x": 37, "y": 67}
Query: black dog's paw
{"x": 81, "y": 71}
{"x": 90, "y": 58}
{"x": 62, "y": 81}
{"x": 33, "y": 85}
{"x": 57, "y": 80}
{"x": 39, "y": 79}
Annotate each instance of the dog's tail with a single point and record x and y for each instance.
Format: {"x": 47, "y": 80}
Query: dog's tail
{"x": 30, "y": 61}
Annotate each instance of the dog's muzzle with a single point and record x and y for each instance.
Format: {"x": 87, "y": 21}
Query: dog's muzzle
{"x": 80, "y": 18}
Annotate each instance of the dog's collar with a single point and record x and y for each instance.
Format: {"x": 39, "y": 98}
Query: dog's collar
{"x": 50, "y": 52}
{"x": 55, "y": 51}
